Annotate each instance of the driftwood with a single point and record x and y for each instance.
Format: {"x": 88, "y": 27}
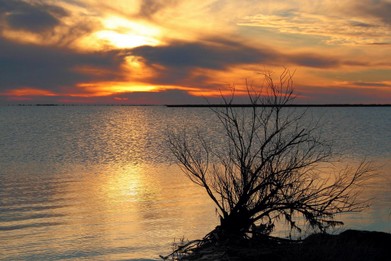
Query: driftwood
{"x": 216, "y": 247}
{"x": 182, "y": 249}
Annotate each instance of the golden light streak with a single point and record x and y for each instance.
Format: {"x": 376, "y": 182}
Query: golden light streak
{"x": 138, "y": 69}
{"x": 101, "y": 89}
{"x": 111, "y": 88}
{"x": 29, "y": 92}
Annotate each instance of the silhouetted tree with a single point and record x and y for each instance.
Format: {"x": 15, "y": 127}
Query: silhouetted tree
{"x": 269, "y": 165}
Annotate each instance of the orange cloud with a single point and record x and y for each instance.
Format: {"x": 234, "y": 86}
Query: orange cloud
{"x": 29, "y": 92}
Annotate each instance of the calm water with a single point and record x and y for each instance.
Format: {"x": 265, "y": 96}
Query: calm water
{"x": 96, "y": 183}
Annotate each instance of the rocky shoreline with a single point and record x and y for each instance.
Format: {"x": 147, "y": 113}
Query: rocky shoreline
{"x": 348, "y": 246}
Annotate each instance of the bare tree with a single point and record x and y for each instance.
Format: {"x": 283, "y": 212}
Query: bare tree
{"x": 268, "y": 166}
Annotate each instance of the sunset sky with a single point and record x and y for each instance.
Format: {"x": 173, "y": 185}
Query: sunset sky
{"x": 183, "y": 51}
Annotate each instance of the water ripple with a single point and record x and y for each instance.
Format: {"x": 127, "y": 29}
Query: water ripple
{"x": 96, "y": 182}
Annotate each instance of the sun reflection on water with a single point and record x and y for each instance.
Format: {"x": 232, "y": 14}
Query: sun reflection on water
{"x": 123, "y": 211}
{"x": 95, "y": 182}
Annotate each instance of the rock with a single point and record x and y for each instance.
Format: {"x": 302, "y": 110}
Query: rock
{"x": 347, "y": 246}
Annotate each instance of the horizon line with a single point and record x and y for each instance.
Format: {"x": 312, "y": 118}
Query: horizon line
{"x": 206, "y": 105}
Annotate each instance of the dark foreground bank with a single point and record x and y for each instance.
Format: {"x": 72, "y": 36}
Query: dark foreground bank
{"x": 347, "y": 246}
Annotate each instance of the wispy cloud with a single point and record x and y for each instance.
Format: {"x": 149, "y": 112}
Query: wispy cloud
{"x": 346, "y": 23}
{"x": 56, "y": 23}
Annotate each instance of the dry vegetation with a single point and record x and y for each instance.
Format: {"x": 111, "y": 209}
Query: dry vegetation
{"x": 265, "y": 170}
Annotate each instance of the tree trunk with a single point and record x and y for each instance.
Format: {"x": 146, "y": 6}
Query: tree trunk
{"x": 234, "y": 225}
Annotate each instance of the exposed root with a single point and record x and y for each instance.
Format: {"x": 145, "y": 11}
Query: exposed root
{"x": 216, "y": 247}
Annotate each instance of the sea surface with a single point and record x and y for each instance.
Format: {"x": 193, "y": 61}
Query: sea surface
{"x": 98, "y": 182}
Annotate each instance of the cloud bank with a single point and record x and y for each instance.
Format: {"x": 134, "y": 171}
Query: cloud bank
{"x": 157, "y": 50}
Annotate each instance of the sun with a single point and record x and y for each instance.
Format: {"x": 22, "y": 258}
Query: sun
{"x": 122, "y": 33}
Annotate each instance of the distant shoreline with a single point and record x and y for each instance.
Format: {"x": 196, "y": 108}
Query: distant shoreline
{"x": 287, "y": 105}
{"x": 192, "y": 105}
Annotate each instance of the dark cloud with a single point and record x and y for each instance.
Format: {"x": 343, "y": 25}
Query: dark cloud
{"x": 35, "y": 17}
{"x": 313, "y": 60}
{"x": 35, "y": 20}
{"x": 220, "y": 54}
{"x": 201, "y": 55}
{"x": 177, "y": 62}
{"x": 50, "y": 68}
{"x": 380, "y": 9}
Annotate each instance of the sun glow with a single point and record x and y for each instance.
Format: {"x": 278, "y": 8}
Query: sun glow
{"x": 122, "y": 33}
{"x": 110, "y": 88}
